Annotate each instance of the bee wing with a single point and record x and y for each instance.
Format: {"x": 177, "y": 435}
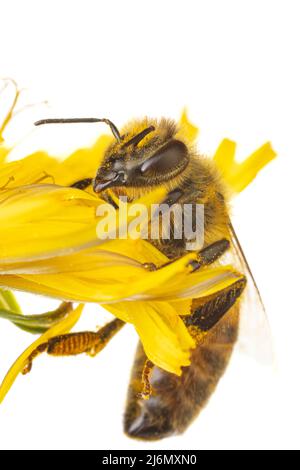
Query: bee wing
{"x": 254, "y": 331}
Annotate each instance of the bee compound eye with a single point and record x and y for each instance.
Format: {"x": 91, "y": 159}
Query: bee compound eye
{"x": 172, "y": 155}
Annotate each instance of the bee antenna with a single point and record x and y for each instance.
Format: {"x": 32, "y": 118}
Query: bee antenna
{"x": 112, "y": 126}
{"x": 137, "y": 138}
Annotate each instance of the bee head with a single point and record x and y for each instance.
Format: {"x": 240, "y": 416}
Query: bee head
{"x": 147, "y": 155}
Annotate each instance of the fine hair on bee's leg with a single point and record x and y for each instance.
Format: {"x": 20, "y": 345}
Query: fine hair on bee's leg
{"x": 71, "y": 344}
{"x": 176, "y": 401}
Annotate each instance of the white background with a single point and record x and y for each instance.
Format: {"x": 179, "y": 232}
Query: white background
{"x": 235, "y": 65}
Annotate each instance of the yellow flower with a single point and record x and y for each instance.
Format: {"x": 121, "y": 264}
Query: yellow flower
{"x": 72, "y": 264}
{"x": 49, "y": 245}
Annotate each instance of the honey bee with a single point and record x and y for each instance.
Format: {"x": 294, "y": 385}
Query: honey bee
{"x": 149, "y": 153}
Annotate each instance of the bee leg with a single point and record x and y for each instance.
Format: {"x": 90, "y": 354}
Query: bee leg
{"x": 71, "y": 344}
{"x": 207, "y": 312}
{"x": 206, "y": 256}
{"x": 210, "y": 254}
{"x": 85, "y": 183}
{"x": 104, "y": 335}
{"x": 106, "y": 197}
{"x": 150, "y": 266}
{"x": 39, "y": 350}
{"x": 82, "y": 184}
{"x": 146, "y": 374}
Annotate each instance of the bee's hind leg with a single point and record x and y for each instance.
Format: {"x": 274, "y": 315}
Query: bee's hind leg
{"x": 104, "y": 335}
{"x": 146, "y": 376}
{"x": 207, "y": 312}
{"x": 39, "y": 350}
{"x": 89, "y": 342}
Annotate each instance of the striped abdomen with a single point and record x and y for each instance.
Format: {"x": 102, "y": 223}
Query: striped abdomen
{"x": 176, "y": 401}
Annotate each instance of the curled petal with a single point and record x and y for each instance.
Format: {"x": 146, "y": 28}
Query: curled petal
{"x": 51, "y": 221}
{"x": 63, "y": 327}
{"x": 164, "y": 336}
{"x": 116, "y": 281}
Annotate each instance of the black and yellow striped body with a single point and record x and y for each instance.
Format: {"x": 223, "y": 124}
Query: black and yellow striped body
{"x": 176, "y": 401}
{"x": 148, "y": 154}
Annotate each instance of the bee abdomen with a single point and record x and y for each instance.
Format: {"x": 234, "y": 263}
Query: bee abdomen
{"x": 71, "y": 344}
{"x": 176, "y": 401}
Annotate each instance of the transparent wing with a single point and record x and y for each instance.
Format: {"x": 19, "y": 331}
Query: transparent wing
{"x": 255, "y": 337}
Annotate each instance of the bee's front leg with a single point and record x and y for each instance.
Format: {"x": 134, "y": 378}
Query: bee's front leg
{"x": 86, "y": 182}
{"x": 89, "y": 342}
{"x": 82, "y": 184}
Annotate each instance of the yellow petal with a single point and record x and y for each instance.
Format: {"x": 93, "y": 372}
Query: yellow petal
{"x": 63, "y": 327}
{"x": 187, "y": 131}
{"x": 202, "y": 283}
{"x": 164, "y": 336}
{"x": 38, "y": 221}
{"x": 4, "y": 151}
{"x": 81, "y": 164}
{"x": 12, "y": 106}
{"x": 106, "y": 275}
{"x": 238, "y": 176}
{"x": 51, "y": 220}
